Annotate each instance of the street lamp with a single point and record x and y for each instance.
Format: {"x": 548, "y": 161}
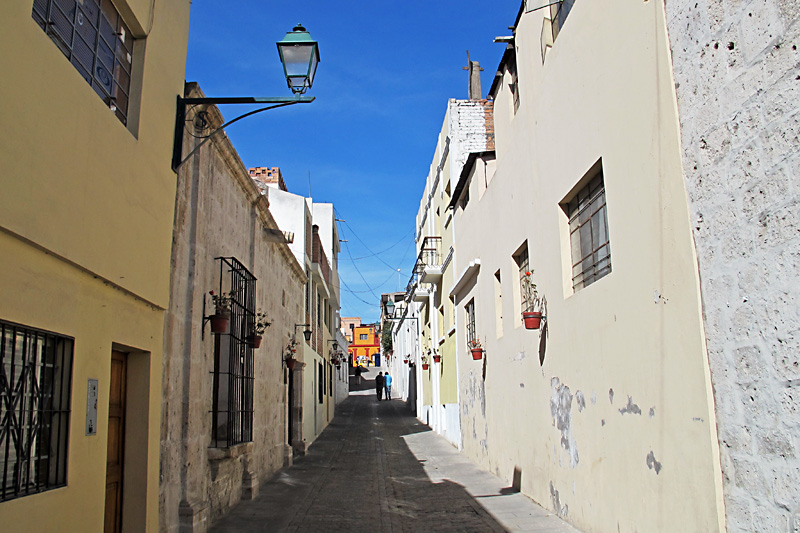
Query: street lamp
{"x": 390, "y": 308}
{"x": 299, "y": 55}
{"x": 306, "y": 332}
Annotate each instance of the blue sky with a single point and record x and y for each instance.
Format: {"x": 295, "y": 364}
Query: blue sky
{"x": 386, "y": 72}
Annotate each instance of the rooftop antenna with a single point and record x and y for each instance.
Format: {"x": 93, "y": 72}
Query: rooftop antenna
{"x": 309, "y": 184}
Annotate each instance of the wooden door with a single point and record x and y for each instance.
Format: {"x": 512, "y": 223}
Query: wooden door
{"x": 116, "y": 442}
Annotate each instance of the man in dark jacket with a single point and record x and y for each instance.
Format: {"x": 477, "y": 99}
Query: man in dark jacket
{"x": 379, "y": 385}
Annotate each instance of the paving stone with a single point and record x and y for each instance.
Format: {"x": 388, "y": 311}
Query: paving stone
{"x": 377, "y": 468}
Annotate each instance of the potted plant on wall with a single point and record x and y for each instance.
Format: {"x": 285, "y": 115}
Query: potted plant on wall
{"x": 260, "y": 326}
{"x": 291, "y": 349}
{"x": 424, "y": 361}
{"x": 437, "y": 357}
{"x": 532, "y": 316}
{"x": 476, "y": 348}
{"x": 222, "y": 311}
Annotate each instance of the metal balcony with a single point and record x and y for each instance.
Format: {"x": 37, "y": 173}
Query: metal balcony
{"x": 430, "y": 260}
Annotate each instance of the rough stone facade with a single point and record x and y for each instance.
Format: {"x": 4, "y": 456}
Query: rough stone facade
{"x": 736, "y": 69}
{"x": 219, "y": 212}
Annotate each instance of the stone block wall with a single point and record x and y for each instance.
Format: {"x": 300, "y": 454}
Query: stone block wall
{"x": 736, "y": 69}
{"x": 220, "y": 212}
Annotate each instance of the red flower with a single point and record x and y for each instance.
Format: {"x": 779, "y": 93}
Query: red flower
{"x": 527, "y": 273}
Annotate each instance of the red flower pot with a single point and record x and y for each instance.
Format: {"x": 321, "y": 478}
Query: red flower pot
{"x": 405, "y": 361}
{"x": 532, "y": 319}
{"x": 424, "y": 366}
{"x": 219, "y": 323}
{"x": 290, "y": 362}
{"x": 254, "y": 340}
{"x": 437, "y": 358}
{"x": 477, "y": 353}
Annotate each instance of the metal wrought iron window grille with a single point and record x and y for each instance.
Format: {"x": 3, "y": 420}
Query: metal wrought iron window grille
{"x": 558, "y": 15}
{"x": 588, "y": 227}
{"x": 470, "y": 310}
{"x": 234, "y": 372}
{"x": 93, "y": 37}
{"x": 523, "y": 264}
{"x": 35, "y": 392}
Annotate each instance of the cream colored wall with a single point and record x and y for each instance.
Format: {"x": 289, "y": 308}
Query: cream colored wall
{"x": 85, "y": 229}
{"x": 583, "y": 453}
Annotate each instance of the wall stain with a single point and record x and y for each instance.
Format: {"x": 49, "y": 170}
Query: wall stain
{"x": 631, "y": 408}
{"x": 652, "y": 412}
{"x": 561, "y": 511}
{"x": 611, "y": 395}
{"x": 561, "y": 410}
{"x": 652, "y": 464}
{"x": 581, "y": 401}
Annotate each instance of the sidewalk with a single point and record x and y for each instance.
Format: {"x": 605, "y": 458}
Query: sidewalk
{"x": 376, "y": 468}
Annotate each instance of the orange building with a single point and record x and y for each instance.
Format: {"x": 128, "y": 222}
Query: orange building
{"x": 364, "y": 345}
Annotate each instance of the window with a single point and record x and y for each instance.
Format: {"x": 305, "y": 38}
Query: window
{"x": 558, "y": 15}
{"x": 92, "y": 35}
{"x": 35, "y": 390}
{"x": 330, "y": 379}
{"x": 498, "y": 304}
{"x": 523, "y": 265}
{"x": 470, "y": 309}
{"x": 321, "y": 382}
{"x": 588, "y": 231}
{"x": 232, "y": 393}
{"x": 513, "y": 83}
{"x": 364, "y": 336}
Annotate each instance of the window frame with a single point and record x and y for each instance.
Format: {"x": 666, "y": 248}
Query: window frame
{"x": 84, "y": 36}
{"x": 30, "y": 424}
{"x": 234, "y": 362}
{"x": 587, "y": 207}
{"x": 469, "y": 309}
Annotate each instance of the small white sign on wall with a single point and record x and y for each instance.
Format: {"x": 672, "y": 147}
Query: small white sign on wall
{"x": 91, "y": 408}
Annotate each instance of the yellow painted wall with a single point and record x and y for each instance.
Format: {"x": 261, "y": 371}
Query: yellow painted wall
{"x": 86, "y": 218}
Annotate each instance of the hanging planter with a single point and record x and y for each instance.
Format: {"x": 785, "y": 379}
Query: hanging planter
{"x": 532, "y": 319}
{"x": 405, "y": 361}
{"x": 437, "y": 358}
{"x": 219, "y": 323}
{"x": 424, "y": 366}
{"x": 254, "y": 340}
{"x": 290, "y": 362}
{"x": 476, "y": 348}
{"x": 477, "y": 354}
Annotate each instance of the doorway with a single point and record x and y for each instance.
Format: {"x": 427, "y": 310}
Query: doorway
{"x": 116, "y": 442}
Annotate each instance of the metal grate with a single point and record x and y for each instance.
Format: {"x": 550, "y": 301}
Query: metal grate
{"x": 35, "y": 390}
{"x": 523, "y": 264}
{"x": 232, "y": 412}
{"x": 92, "y": 35}
{"x": 588, "y": 227}
{"x": 558, "y": 15}
{"x": 470, "y": 309}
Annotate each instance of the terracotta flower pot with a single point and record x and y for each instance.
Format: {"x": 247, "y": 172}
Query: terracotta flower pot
{"x": 405, "y": 361}
{"x": 424, "y": 366}
{"x": 477, "y": 353}
{"x": 532, "y": 319}
{"x": 290, "y": 362}
{"x": 254, "y": 340}
{"x": 437, "y": 358}
{"x": 219, "y": 323}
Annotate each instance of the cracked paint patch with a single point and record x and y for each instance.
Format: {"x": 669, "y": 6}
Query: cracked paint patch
{"x": 631, "y": 408}
{"x": 652, "y": 464}
{"x": 581, "y": 401}
{"x": 561, "y": 511}
{"x": 652, "y": 412}
{"x": 611, "y": 395}
{"x": 594, "y": 398}
{"x": 561, "y": 410}
{"x": 519, "y": 357}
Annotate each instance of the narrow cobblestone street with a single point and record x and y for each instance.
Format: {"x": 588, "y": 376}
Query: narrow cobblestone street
{"x": 377, "y": 468}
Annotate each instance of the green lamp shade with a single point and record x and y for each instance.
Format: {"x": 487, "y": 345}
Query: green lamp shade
{"x": 300, "y": 56}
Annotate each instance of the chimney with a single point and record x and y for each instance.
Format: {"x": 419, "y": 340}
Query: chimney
{"x": 475, "y": 70}
{"x": 268, "y": 177}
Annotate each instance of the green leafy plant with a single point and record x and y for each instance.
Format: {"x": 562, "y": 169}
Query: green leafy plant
{"x": 222, "y": 302}
{"x": 262, "y": 323}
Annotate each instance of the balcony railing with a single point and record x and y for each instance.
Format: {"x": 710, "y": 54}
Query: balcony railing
{"x": 318, "y": 256}
{"x": 429, "y": 260}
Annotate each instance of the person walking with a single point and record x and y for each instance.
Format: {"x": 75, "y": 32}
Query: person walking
{"x": 379, "y": 385}
{"x": 359, "y": 370}
{"x": 387, "y": 385}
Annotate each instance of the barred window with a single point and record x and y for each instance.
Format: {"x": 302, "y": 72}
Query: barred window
{"x": 35, "y": 390}
{"x": 470, "y": 309}
{"x": 232, "y": 394}
{"x": 523, "y": 265}
{"x": 588, "y": 232}
{"x": 92, "y": 35}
